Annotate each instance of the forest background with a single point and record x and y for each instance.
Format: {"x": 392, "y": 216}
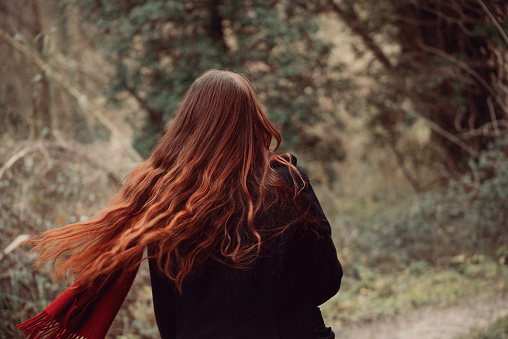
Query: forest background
{"x": 397, "y": 109}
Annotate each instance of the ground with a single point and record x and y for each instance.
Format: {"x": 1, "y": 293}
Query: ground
{"x": 432, "y": 322}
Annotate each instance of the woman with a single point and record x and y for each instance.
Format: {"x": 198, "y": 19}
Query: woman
{"x": 238, "y": 244}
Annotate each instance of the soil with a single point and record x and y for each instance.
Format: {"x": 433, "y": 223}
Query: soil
{"x": 432, "y": 322}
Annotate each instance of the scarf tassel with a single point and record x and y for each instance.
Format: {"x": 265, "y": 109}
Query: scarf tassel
{"x": 44, "y": 326}
{"x": 81, "y": 311}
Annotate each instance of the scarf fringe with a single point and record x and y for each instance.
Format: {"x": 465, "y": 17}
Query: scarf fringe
{"x": 43, "y": 326}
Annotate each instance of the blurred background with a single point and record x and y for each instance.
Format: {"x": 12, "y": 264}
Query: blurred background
{"x": 396, "y": 108}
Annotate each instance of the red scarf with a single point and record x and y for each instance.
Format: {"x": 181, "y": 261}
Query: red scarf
{"x": 81, "y": 311}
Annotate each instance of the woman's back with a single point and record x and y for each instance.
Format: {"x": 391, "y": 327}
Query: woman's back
{"x": 277, "y": 297}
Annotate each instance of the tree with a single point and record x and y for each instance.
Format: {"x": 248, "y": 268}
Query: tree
{"x": 458, "y": 50}
{"x": 440, "y": 62}
{"x": 160, "y": 47}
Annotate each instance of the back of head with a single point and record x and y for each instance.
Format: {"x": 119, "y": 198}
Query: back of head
{"x": 219, "y": 122}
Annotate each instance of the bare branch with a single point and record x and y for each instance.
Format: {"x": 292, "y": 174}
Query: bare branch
{"x": 15, "y": 243}
{"x": 494, "y": 21}
{"x": 155, "y": 115}
{"x": 73, "y": 91}
{"x": 400, "y": 161}
{"x": 490, "y": 129}
{"x": 18, "y": 155}
{"x": 493, "y": 116}
{"x": 43, "y": 146}
{"x": 353, "y": 21}
{"x": 465, "y": 67}
{"x": 444, "y": 133}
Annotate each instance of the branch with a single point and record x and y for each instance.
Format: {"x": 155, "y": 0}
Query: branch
{"x": 400, "y": 161}
{"x": 354, "y": 23}
{"x": 77, "y": 153}
{"x": 466, "y": 68}
{"x": 444, "y": 133}
{"x": 494, "y": 21}
{"x": 155, "y": 115}
{"x": 490, "y": 129}
{"x": 18, "y": 155}
{"x": 73, "y": 91}
{"x": 13, "y": 245}
{"x": 42, "y": 147}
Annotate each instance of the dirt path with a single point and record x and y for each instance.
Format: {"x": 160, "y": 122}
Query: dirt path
{"x": 431, "y": 322}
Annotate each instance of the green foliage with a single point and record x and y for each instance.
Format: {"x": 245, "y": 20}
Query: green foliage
{"x": 369, "y": 294}
{"x": 496, "y": 330}
{"x": 46, "y": 189}
{"x": 160, "y": 47}
{"x": 468, "y": 218}
{"x": 24, "y": 293}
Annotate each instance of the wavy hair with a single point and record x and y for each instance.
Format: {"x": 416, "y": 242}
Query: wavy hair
{"x": 196, "y": 197}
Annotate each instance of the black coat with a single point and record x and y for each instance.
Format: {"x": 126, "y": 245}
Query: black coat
{"x": 277, "y": 298}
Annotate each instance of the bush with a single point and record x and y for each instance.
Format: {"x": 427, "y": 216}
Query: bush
{"x": 44, "y": 189}
{"x": 468, "y": 218}
{"x": 496, "y": 330}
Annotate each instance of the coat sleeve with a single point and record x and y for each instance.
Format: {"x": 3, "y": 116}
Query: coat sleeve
{"x": 320, "y": 262}
{"x": 163, "y": 302}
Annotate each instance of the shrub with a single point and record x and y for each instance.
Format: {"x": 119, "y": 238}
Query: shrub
{"x": 469, "y": 217}
{"x": 496, "y": 330}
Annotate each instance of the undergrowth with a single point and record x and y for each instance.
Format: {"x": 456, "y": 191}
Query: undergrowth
{"x": 372, "y": 294}
{"x": 496, "y": 330}
{"x": 398, "y": 254}
{"x": 431, "y": 248}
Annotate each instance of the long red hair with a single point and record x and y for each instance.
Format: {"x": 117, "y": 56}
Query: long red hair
{"x": 195, "y": 198}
